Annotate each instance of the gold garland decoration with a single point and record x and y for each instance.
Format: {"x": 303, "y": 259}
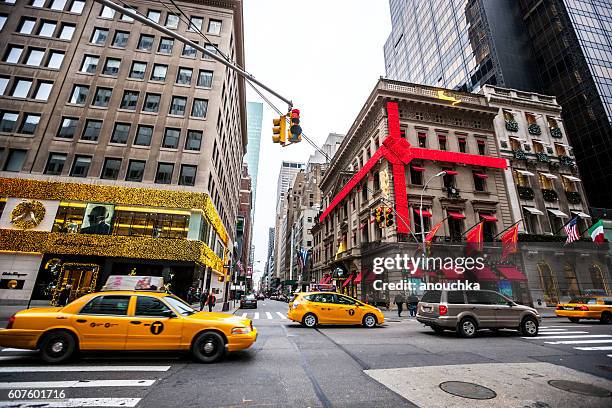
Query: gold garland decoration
{"x": 28, "y": 214}
{"x": 52, "y": 190}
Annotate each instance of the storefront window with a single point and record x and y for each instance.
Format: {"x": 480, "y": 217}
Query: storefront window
{"x": 597, "y": 277}
{"x": 149, "y": 224}
{"x": 69, "y": 217}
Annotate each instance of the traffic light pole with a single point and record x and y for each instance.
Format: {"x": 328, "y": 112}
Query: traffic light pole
{"x": 213, "y": 55}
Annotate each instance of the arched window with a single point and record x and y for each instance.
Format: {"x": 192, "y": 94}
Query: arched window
{"x": 572, "y": 281}
{"x": 597, "y": 277}
{"x": 548, "y": 283}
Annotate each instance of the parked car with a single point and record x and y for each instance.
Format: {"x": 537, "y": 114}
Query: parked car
{"x": 587, "y": 307}
{"x": 248, "y": 301}
{"x": 466, "y": 312}
{"x": 261, "y": 296}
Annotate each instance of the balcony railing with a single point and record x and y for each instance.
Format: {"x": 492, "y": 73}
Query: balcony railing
{"x": 573, "y": 197}
{"x": 526, "y": 193}
{"x": 565, "y": 160}
{"x": 542, "y": 157}
{"x": 549, "y": 195}
{"x": 519, "y": 154}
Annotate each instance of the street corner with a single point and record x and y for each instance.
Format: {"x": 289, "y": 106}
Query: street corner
{"x": 496, "y": 384}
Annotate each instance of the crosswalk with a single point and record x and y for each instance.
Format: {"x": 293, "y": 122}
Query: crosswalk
{"x": 264, "y": 315}
{"x": 575, "y": 337}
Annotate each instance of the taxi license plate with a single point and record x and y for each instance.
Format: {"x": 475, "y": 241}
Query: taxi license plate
{"x": 568, "y": 308}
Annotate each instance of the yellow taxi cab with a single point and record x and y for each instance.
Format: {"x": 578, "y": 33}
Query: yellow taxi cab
{"x": 587, "y": 307}
{"x": 313, "y": 308}
{"x": 127, "y": 320}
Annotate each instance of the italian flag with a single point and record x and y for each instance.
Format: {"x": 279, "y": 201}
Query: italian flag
{"x": 597, "y": 231}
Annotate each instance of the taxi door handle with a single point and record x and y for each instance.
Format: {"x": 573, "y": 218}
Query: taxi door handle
{"x": 81, "y": 321}
{"x": 135, "y": 322}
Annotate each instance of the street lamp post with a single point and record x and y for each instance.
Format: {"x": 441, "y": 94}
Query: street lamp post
{"x": 442, "y": 173}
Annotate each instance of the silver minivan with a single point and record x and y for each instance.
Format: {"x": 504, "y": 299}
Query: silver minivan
{"x": 467, "y": 311}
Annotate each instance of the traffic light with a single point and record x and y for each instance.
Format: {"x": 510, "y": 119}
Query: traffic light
{"x": 389, "y": 217}
{"x": 280, "y": 130}
{"x": 379, "y": 216}
{"x": 295, "y": 129}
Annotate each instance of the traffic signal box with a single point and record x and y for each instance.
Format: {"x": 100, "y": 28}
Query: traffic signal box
{"x": 280, "y": 130}
{"x": 384, "y": 216}
{"x": 284, "y": 135}
{"x": 295, "y": 129}
{"x": 389, "y": 217}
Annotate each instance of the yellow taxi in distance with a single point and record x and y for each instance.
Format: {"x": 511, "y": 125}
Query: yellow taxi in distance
{"x": 587, "y": 307}
{"x": 313, "y": 308}
{"x": 127, "y": 320}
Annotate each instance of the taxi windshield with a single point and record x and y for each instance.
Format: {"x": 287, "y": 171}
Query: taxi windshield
{"x": 180, "y": 306}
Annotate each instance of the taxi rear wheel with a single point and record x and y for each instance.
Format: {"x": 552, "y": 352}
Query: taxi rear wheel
{"x": 208, "y": 347}
{"x": 574, "y": 319}
{"x": 369, "y": 321}
{"x": 606, "y": 318}
{"x": 57, "y": 347}
{"x": 309, "y": 320}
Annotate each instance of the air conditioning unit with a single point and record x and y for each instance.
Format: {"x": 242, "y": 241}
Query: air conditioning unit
{"x": 527, "y": 147}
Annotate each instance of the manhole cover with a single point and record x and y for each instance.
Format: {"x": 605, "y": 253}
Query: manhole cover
{"x": 580, "y": 388}
{"x": 467, "y": 390}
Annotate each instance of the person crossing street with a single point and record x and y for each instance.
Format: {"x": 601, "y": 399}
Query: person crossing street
{"x": 399, "y": 301}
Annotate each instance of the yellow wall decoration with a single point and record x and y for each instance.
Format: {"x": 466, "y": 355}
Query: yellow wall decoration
{"x": 28, "y": 214}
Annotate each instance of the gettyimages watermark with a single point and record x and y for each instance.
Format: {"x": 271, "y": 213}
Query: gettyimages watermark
{"x": 412, "y": 265}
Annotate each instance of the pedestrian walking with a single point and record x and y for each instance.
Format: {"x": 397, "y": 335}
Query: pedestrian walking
{"x": 64, "y": 295}
{"x": 210, "y": 301}
{"x": 413, "y": 301}
{"x": 399, "y": 301}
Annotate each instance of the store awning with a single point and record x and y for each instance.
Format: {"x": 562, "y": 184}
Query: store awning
{"x": 549, "y": 176}
{"x": 451, "y": 273}
{"x": 488, "y": 217}
{"x": 484, "y": 274}
{"x": 581, "y": 214}
{"x": 358, "y": 278}
{"x": 425, "y": 212}
{"x": 511, "y": 272}
{"x": 451, "y": 172}
{"x": 557, "y": 213}
{"x": 571, "y": 178}
{"x": 533, "y": 211}
{"x": 456, "y": 215}
{"x": 481, "y": 175}
{"x": 417, "y": 168}
{"x": 348, "y": 280}
{"x": 525, "y": 173}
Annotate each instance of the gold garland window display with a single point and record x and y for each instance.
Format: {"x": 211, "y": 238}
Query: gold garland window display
{"x": 63, "y": 280}
{"x": 28, "y": 214}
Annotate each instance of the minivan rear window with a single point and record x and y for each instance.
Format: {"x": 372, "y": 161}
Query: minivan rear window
{"x": 455, "y": 297}
{"x": 433, "y": 296}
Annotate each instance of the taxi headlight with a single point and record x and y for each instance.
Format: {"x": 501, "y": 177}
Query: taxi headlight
{"x": 241, "y": 330}
{"x": 295, "y": 305}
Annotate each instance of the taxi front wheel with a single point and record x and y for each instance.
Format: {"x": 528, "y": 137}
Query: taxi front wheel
{"x": 309, "y": 320}
{"x": 208, "y": 347}
{"x": 57, "y": 347}
{"x": 369, "y": 321}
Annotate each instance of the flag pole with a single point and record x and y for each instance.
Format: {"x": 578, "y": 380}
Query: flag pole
{"x": 508, "y": 228}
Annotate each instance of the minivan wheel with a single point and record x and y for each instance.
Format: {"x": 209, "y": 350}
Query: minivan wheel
{"x": 606, "y": 318}
{"x": 57, "y": 347}
{"x": 467, "y": 327}
{"x": 529, "y": 327}
{"x": 369, "y": 321}
{"x": 309, "y": 320}
{"x": 574, "y": 319}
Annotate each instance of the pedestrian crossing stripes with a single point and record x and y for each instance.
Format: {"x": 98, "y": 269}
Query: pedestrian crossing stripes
{"x": 602, "y": 348}
{"x": 264, "y": 316}
{"x": 76, "y": 384}
{"x": 578, "y": 339}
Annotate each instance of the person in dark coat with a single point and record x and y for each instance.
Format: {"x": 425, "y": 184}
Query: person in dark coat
{"x": 399, "y": 301}
{"x": 64, "y": 295}
{"x": 210, "y": 301}
{"x": 412, "y": 301}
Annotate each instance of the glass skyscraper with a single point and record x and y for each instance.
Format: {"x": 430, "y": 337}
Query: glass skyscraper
{"x": 254, "y": 121}
{"x": 557, "y": 47}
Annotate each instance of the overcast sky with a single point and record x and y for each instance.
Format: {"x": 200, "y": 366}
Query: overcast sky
{"x": 325, "y": 56}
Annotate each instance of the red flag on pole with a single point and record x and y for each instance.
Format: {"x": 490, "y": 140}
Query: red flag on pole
{"x": 430, "y": 236}
{"x": 509, "y": 241}
{"x": 474, "y": 238}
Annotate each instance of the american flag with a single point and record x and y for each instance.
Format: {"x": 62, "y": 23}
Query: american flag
{"x": 571, "y": 229}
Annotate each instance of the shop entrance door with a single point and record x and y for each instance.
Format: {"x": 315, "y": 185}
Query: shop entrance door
{"x": 81, "y": 277}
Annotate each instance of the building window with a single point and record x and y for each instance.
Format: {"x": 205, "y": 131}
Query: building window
{"x": 422, "y": 139}
{"x": 151, "y": 103}
{"x": 145, "y": 43}
{"x": 3, "y": 18}
{"x": 102, "y": 97}
{"x": 172, "y": 20}
{"x": 34, "y": 57}
{"x": 47, "y": 28}
{"x": 107, "y": 12}
{"x": 144, "y": 135}
{"x": 3, "y": 84}
{"x": 195, "y": 24}
{"x": 189, "y": 51}
{"x": 125, "y": 17}
{"x": 545, "y": 181}
{"x": 37, "y": 3}
{"x": 521, "y": 179}
{"x": 110, "y": 170}
{"x": 200, "y": 107}
{"x": 138, "y": 70}
{"x": 556, "y": 223}
{"x": 194, "y": 140}
{"x": 188, "y": 175}
{"x": 449, "y": 179}
{"x": 77, "y": 6}
{"x": 171, "y": 138}
{"x": 92, "y": 130}
{"x": 530, "y": 222}
{"x": 67, "y": 31}
{"x": 416, "y": 174}
{"x": 67, "y": 128}
{"x": 55, "y": 164}
{"x": 462, "y": 145}
{"x": 482, "y": 147}
{"x": 455, "y": 226}
{"x": 121, "y": 133}
{"x": 112, "y": 67}
{"x": 13, "y": 54}
{"x": 58, "y": 5}
{"x": 129, "y": 100}
{"x": 121, "y": 39}
{"x": 135, "y": 170}
{"x": 480, "y": 181}
{"x": 21, "y": 89}
{"x": 15, "y": 160}
{"x": 99, "y": 36}
{"x": 164, "y": 173}
{"x": 214, "y": 27}
{"x": 80, "y": 166}
{"x": 154, "y": 15}
{"x": 90, "y": 64}
{"x": 184, "y": 76}
{"x": 8, "y": 121}
{"x": 26, "y": 25}
{"x": 205, "y": 78}
{"x": 79, "y": 94}
{"x": 166, "y": 45}
{"x": 55, "y": 59}
{"x": 442, "y": 142}
{"x": 29, "y": 124}
{"x": 159, "y": 72}
{"x": 417, "y": 221}
{"x": 178, "y": 105}
{"x": 209, "y": 47}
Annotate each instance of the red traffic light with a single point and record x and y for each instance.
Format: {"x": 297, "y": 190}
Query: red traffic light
{"x": 295, "y": 129}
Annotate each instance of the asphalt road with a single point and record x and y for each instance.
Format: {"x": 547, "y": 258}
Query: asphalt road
{"x": 400, "y": 364}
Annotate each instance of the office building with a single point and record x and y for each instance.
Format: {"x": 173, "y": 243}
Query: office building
{"x": 254, "y": 121}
